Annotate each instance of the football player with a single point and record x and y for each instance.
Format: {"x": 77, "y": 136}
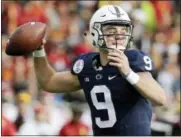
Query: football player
{"x": 117, "y": 81}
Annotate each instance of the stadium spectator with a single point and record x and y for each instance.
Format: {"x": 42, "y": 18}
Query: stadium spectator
{"x": 23, "y": 99}
{"x": 38, "y": 126}
{"x": 8, "y": 128}
{"x": 75, "y": 127}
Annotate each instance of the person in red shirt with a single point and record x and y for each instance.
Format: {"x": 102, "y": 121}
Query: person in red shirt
{"x": 8, "y": 128}
{"x": 74, "y": 127}
{"x": 32, "y": 11}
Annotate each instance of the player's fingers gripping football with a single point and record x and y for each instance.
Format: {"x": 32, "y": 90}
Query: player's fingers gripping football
{"x": 44, "y": 40}
{"x": 118, "y": 59}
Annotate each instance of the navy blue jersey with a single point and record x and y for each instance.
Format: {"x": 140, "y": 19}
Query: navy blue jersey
{"x": 117, "y": 108}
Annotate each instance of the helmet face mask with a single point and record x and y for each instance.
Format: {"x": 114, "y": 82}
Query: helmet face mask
{"x": 111, "y": 38}
{"x": 116, "y": 36}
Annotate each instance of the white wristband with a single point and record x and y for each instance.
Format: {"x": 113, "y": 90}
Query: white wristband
{"x": 39, "y": 53}
{"x": 133, "y": 78}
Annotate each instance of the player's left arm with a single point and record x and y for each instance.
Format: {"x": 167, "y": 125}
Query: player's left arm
{"x": 149, "y": 88}
{"x": 142, "y": 81}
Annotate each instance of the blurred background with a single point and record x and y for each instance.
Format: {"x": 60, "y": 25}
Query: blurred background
{"x": 27, "y": 110}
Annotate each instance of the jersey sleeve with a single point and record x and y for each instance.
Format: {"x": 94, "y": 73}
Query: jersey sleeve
{"x": 140, "y": 61}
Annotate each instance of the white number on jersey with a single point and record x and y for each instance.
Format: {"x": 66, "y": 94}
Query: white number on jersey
{"x": 148, "y": 63}
{"x": 108, "y": 104}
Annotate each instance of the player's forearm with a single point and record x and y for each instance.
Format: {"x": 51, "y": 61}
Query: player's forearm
{"x": 150, "y": 89}
{"x": 43, "y": 70}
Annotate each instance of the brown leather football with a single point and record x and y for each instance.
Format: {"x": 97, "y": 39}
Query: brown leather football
{"x": 26, "y": 38}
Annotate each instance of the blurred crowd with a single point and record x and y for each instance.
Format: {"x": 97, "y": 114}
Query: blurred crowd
{"x": 27, "y": 110}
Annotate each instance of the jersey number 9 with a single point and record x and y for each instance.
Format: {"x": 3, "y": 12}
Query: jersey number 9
{"x": 107, "y": 105}
{"x": 148, "y": 63}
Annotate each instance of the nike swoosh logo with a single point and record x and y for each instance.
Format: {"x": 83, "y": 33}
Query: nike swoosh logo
{"x": 111, "y": 77}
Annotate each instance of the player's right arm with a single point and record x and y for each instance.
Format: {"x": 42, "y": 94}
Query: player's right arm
{"x": 52, "y": 81}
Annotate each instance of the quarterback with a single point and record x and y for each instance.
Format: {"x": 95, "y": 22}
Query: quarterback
{"x": 117, "y": 81}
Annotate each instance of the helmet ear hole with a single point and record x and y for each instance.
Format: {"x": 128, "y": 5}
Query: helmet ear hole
{"x": 85, "y": 34}
{"x": 93, "y": 34}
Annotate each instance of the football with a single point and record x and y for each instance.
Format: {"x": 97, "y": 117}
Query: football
{"x": 26, "y": 38}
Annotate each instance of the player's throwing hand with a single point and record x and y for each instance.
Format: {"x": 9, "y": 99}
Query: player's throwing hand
{"x": 118, "y": 59}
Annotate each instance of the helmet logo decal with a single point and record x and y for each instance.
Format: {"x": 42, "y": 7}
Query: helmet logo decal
{"x": 118, "y": 13}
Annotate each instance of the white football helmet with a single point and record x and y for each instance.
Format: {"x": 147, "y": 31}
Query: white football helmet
{"x": 106, "y": 15}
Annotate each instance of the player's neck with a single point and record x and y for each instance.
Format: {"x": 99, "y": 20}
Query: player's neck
{"x": 103, "y": 57}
